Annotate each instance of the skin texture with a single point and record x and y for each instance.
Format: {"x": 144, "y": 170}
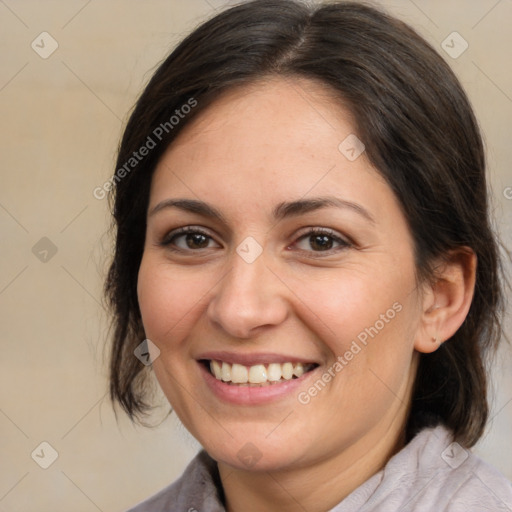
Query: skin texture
{"x": 256, "y": 147}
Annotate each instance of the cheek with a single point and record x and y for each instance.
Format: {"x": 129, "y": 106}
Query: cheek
{"x": 167, "y": 301}
{"x": 350, "y": 304}
{"x": 369, "y": 320}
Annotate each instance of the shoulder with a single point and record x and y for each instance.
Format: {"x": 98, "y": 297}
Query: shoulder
{"x": 472, "y": 484}
{"x": 197, "y": 488}
{"x": 442, "y": 475}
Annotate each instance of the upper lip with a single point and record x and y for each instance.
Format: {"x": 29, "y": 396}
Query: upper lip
{"x": 252, "y": 359}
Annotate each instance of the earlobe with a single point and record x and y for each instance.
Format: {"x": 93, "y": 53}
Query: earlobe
{"x": 447, "y": 299}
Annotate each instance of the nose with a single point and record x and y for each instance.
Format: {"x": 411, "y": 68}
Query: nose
{"x": 249, "y": 298}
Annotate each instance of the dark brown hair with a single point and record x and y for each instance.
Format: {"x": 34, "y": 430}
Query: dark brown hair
{"x": 419, "y": 131}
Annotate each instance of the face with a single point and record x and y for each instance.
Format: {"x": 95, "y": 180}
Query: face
{"x": 278, "y": 282}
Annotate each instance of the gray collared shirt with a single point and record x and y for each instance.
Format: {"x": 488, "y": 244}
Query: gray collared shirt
{"x": 430, "y": 474}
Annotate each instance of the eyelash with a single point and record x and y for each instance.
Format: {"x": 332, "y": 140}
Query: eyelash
{"x": 343, "y": 243}
{"x": 170, "y": 237}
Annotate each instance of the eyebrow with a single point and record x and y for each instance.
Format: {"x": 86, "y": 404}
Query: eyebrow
{"x": 303, "y": 206}
{"x": 281, "y": 211}
{"x": 189, "y": 205}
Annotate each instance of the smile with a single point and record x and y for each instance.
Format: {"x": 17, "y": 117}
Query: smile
{"x": 259, "y": 374}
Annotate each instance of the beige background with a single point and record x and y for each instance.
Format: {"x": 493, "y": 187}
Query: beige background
{"x": 61, "y": 119}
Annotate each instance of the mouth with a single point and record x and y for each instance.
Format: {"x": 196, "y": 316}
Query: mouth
{"x": 258, "y": 375}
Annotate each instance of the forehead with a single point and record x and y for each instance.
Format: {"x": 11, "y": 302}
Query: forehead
{"x": 302, "y": 112}
{"x": 274, "y": 138}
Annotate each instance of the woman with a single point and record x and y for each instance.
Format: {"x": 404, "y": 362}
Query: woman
{"x": 303, "y": 243}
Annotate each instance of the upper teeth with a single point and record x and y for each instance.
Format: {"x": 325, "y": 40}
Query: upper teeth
{"x": 257, "y": 374}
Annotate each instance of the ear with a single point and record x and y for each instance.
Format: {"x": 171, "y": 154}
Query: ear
{"x": 446, "y": 299}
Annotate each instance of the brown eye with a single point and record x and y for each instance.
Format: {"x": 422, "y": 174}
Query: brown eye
{"x": 189, "y": 239}
{"x": 196, "y": 240}
{"x": 321, "y": 241}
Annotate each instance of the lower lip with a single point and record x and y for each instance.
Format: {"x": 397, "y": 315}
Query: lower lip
{"x": 252, "y": 395}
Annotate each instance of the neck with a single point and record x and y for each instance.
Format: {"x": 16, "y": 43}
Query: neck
{"x": 316, "y": 487}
